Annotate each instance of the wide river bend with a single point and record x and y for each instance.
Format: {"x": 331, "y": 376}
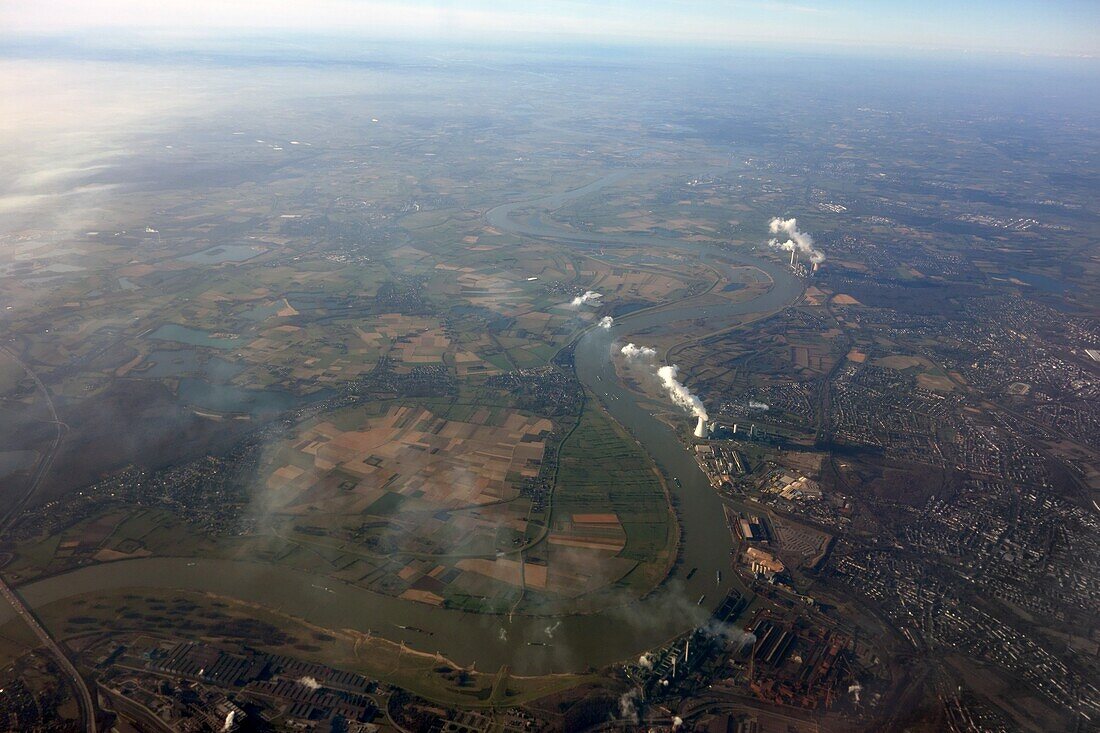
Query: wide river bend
{"x": 562, "y": 644}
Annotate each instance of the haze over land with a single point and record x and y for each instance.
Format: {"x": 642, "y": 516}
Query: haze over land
{"x": 571, "y": 387}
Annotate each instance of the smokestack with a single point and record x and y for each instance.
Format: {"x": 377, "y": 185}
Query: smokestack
{"x": 797, "y": 242}
{"x": 735, "y": 428}
{"x": 816, "y": 266}
{"x": 701, "y": 428}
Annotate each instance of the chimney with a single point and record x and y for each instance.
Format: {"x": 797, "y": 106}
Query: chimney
{"x": 793, "y": 254}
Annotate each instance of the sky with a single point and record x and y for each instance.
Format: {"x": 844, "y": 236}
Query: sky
{"x": 1023, "y": 27}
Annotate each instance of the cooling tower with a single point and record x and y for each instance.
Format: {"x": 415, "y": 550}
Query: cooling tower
{"x": 701, "y": 428}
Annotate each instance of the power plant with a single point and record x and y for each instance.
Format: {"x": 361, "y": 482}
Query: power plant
{"x": 798, "y": 241}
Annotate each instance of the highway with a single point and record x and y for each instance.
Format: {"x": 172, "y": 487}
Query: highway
{"x": 43, "y": 466}
{"x": 84, "y": 697}
{"x": 87, "y": 706}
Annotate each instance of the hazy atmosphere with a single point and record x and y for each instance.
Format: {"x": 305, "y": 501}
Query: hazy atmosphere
{"x": 556, "y": 366}
{"x": 1032, "y": 27}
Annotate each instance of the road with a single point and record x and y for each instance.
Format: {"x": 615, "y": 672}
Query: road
{"x": 43, "y": 466}
{"x": 733, "y": 700}
{"x": 87, "y": 706}
{"x": 135, "y": 711}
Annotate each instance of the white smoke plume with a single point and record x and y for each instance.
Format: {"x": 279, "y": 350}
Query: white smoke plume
{"x": 589, "y": 296}
{"x": 229, "y": 719}
{"x": 310, "y": 682}
{"x": 736, "y": 637}
{"x": 754, "y": 405}
{"x": 646, "y": 660}
{"x": 606, "y": 322}
{"x": 503, "y": 634}
{"x": 680, "y": 394}
{"x": 677, "y": 721}
{"x": 551, "y": 629}
{"x": 630, "y": 351}
{"x": 677, "y": 392}
{"x": 746, "y": 639}
{"x": 628, "y": 710}
{"x": 797, "y": 241}
{"x": 854, "y": 691}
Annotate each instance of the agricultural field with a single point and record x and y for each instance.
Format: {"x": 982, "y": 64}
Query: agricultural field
{"x": 432, "y": 508}
{"x": 408, "y": 458}
{"x": 119, "y": 533}
{"x": 611, "y": 528}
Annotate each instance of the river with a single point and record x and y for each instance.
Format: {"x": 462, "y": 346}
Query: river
{"x": 530, "y": 645}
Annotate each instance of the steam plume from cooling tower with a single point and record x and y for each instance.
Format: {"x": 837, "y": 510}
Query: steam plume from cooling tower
{"x": 630, "y": 351}
{"x": 681, "y": 395}
{"x": 588, "y": 296}
{"x": 677, "y": 392}
{"x": 310, "y": 683}
{"x": 797, "y": 241}
{"x": 606, "y": 322}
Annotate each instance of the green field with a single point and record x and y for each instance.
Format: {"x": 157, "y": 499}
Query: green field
{"x": 602, "y": 469}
